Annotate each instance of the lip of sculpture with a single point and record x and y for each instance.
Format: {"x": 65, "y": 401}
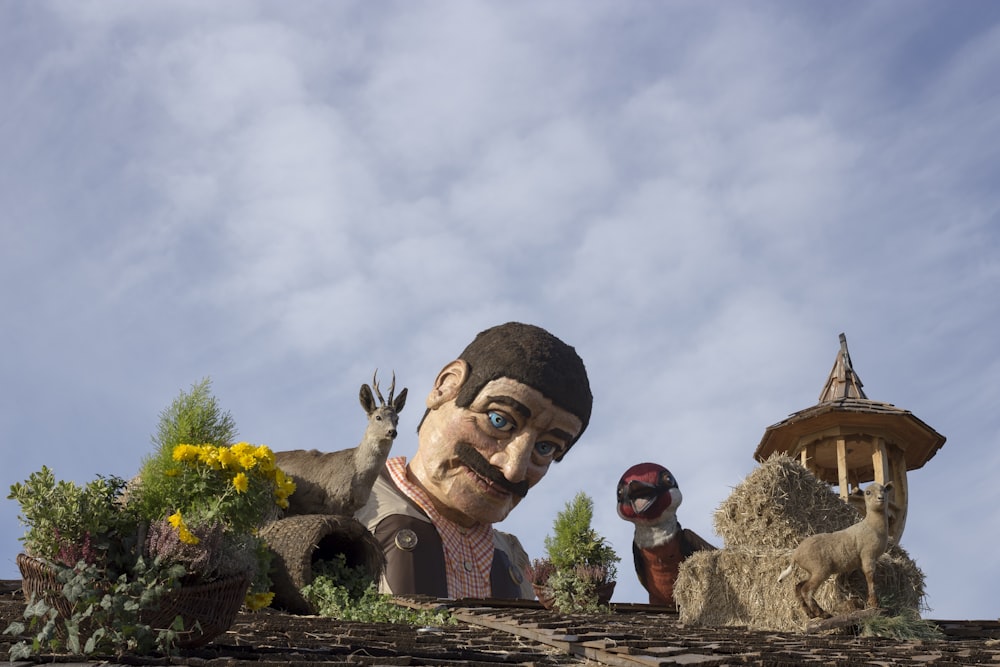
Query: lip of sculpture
{"x": 475, "y": 462}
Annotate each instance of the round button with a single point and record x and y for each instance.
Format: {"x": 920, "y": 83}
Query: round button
{"x": 405, "y": 539}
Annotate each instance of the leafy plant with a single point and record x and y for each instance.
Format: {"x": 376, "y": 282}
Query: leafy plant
{"x": 578, "y": 559}
{"x": 575, "y": 590}
{"x": 67, "y": 523}
{"x": 575, "y": 542}
{"x": 195, "y": 417}
{"x": 192, "y": 515}
{"x": 105, "y": 617}
{"x": 204, "y": 497}
{"x": 350, "y": 594}
{"x": 540, "y": 571}
{"x": 237, "y": 486}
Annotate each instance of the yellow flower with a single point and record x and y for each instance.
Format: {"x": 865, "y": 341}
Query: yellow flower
{"x": 241, "y": 482}
{"x": 209, "y": 455}
{"x": 185, "y": 453}
{"x": 172, "y": 472}
{"x": 242, "y": 449}
{"x": 244, "y": 453}
{"x": 228, "y": 459}
{"x": 284, "y": 487}
{"x": 255, "y": 601}
{"x": 185, "y": 535}
{"x": 265, "y": 457}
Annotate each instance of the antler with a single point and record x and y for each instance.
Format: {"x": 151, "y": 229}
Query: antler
{"x": 375, "y": 387}
{"x": 392, "y": 388}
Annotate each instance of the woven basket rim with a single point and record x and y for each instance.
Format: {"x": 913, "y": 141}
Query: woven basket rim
{"x": 212, "y": 604}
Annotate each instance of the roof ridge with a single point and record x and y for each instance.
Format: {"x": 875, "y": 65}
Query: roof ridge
{"x": 843, "y": 381}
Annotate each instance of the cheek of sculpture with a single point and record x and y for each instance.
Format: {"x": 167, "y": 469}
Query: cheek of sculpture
{"x": 461, "y": 495}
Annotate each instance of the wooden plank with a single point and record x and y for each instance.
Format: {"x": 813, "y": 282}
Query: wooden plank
{"x": 807, "y": 456}
{"x": 899, "y": 497}
{"x": 880, "y": 460}
{"x": 842, "y": 468}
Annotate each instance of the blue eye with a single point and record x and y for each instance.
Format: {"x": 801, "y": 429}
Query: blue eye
{"x": 545, "y": 448}
{"x": 498, "y": 421}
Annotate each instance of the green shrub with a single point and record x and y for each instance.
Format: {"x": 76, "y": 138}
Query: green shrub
{"x": 574, "y": 541}
{"x": 66, "y": 523}
{"x": 350, "y": 594}
{"x": 193, "y": 418}
{"x": 578, "y": 560}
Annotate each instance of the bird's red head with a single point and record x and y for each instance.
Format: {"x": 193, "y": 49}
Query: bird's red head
{"x": 646, "y": 492}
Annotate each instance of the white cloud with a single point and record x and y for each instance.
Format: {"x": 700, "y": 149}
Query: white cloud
{"x": 699, "y": 198}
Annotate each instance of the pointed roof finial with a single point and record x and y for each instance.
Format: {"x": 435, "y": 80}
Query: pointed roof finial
{"x": 843, "y": 381}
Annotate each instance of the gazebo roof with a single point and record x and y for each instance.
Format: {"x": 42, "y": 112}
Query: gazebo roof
{"x": 844, "y": 408}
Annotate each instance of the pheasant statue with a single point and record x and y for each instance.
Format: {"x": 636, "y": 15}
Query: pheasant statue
{"x": 648, "y": 496}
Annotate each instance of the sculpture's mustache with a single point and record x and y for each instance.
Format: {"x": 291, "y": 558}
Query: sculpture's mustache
{"x": 469, "y": 457}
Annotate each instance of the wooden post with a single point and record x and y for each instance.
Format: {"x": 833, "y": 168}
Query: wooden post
{"x": 880, "y": 461}
{"x": 842, "y": 468}
{"x": 899, "y": 493}
{"x": 807, "y": 456}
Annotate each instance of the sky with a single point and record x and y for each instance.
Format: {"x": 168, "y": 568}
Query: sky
{"x": 699, "y": 197}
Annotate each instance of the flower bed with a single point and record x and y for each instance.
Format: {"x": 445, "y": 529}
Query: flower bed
{"x": 162, "y": 561}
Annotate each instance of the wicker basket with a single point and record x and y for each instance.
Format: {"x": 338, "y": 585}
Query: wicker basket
{"x": 297, "y": 542}
{"x": 208, "y": 609}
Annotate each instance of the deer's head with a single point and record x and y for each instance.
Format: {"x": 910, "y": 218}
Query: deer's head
{"x": 386, "y": 411}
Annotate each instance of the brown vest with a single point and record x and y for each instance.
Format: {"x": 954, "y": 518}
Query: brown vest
{"x": 415, "y": 556}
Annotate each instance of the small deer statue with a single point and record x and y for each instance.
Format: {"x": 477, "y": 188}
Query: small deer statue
{"x": 340, "y": 482}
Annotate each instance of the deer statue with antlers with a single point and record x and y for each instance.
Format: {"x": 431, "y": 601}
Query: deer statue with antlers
{"x": 340, "y": 482}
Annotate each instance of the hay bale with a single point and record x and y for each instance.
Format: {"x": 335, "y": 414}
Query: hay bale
{"x": 778, "y": 504}
{"x": 739, "y": 587}
{"x": 765, "y": 517}
{"x": 297, "y": 542}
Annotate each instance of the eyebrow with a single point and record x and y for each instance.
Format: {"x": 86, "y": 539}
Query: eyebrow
{"x": 559, "y": 433}
{"x": 513, "y": 404}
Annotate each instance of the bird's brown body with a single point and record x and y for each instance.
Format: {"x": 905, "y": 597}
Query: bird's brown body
{"x": 648, "y": 496}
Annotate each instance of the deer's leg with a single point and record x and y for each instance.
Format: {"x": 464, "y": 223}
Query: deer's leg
{"x": 870, "y": 578}
{"x": 809, "y": 587}
{"x": 800, "y": 594}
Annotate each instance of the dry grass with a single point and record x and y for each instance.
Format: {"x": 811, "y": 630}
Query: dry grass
{"x": 763, "y": 519}
{"x": 778, "y": 504}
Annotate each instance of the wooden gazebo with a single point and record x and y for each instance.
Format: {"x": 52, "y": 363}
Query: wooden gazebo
{"x": 847, "y": 439}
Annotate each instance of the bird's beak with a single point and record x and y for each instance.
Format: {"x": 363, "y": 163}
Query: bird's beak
{"x": 640, "y": 495}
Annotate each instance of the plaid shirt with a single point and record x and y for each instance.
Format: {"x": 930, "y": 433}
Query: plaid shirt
{"x": 468, "y": 552}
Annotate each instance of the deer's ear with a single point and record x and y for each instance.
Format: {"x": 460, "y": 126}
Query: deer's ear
{"x": 448, "y": 382}
{"x": 399, "y": 401}
{"x": 366, "y": 398}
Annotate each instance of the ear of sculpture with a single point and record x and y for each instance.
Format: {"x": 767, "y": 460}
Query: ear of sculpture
{"x": 399, "y": 401}
{"x": 367, "y": 400}
{"x": 448, "y": 382}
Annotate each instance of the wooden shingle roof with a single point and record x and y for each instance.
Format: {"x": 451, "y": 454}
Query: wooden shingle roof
{"x": 844, "y": 405}
{"x": 492, "y": 633}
